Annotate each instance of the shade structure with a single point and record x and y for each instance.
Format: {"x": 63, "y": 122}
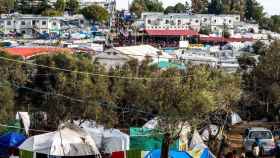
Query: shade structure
{"x": 69, "y": 140}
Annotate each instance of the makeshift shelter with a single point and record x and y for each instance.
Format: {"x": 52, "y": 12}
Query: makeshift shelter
{"x": 172, "y": 154}
{"x": 69, "y": 140}
{"x": 115, "y": 140}
{"x": 25, "y": 119}
{"x": 108, "y": 140}
{"x": 147, "y": 139}
{"x": 9, "y": 142}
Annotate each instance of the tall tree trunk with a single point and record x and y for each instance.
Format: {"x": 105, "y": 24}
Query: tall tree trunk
{"x": 165, "y": 145}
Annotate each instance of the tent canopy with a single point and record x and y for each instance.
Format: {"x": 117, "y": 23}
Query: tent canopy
{"x": 172, "y": 154}
{"x": 11, "y": 140}
{"x": 109, "y": 140}
{"x": 69, "y": 140}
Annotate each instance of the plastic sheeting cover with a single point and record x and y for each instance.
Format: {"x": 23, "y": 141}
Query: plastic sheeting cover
{"x": 235, "y": 118}
{"x": 11, "y": 140}
{"x": 67, "y": 141}
{"x": 24, "y": 117}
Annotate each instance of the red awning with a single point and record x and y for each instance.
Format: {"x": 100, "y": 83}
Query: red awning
{"x": 171, "y": 33}
{"x": 222, "y": 39}
{"x": 29, "y": 52}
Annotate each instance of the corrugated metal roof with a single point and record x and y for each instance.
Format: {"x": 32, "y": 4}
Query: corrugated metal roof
{"x": 222, "y": 39}
{"x": 171, "y": 33}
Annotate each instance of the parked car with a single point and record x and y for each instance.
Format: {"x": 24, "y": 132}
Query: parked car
{"x": 265, "y": 138}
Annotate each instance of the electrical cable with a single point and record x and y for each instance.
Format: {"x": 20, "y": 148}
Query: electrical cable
{"x": 88, "y": 73}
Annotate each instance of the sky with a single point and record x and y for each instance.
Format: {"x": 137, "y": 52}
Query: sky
{"x": 271, "y": 6}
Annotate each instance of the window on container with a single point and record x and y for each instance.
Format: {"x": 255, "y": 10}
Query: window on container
{"x": 196, "y": 21}
{"x": 179, "y": 22}
{"x": 215, "y": 21}
{"x": 44, "y": 23}
{"x": 149, "y": 22}
{"x": 9, "y": 23}
{"x": 33, "y": 22}
{"x": 22, "y": 23}
{"x": 166, "y": 21}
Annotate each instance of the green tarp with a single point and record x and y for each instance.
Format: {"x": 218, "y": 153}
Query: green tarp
{"x": 146, "y": 139}
{"x": 133, "y": 154}
{"x": 14, "y": 126}
{"x": 25, "y": 154}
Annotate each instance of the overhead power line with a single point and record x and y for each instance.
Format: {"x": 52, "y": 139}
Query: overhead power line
{"x": 88, "y": 73}
{"x": 80, "y": 100}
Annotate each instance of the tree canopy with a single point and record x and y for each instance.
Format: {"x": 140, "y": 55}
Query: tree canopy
{"x": 253, "y": 10}
{"x": 95, "y": 13}
{"x": 178, "y": 8}
{"x": 60, "y": 5}
{"x": 139, "y": 6}
{"x": 72, "y": 6}
{"x": 199, "y": 6}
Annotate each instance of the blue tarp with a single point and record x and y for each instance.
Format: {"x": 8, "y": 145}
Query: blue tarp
{"x": 11, "y": 140}
{"x": 207, "y": 154}
{"x": 172, "y": 154}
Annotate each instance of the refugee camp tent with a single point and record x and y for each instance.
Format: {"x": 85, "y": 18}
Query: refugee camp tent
{"x": 109, "y": 140}
{"x": 201, "y": 152}
{"x": 115, "y": 140}
{"x": 94, "y": 130}
{"x": 68, "y": 140}
{"x": 10, "y": 141}
{"x": 172, "y": 154}
{"x": 235, "y": 118}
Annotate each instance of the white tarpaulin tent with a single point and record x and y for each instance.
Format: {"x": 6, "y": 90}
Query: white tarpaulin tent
{"x": 114, "y": 140}
{"x": 109, "y": 140}
{"x": 235, "y": 118}
{"x": 24, "y": 117}
{"x": 152, "y": 124}
{"x": 69, "y": 140}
